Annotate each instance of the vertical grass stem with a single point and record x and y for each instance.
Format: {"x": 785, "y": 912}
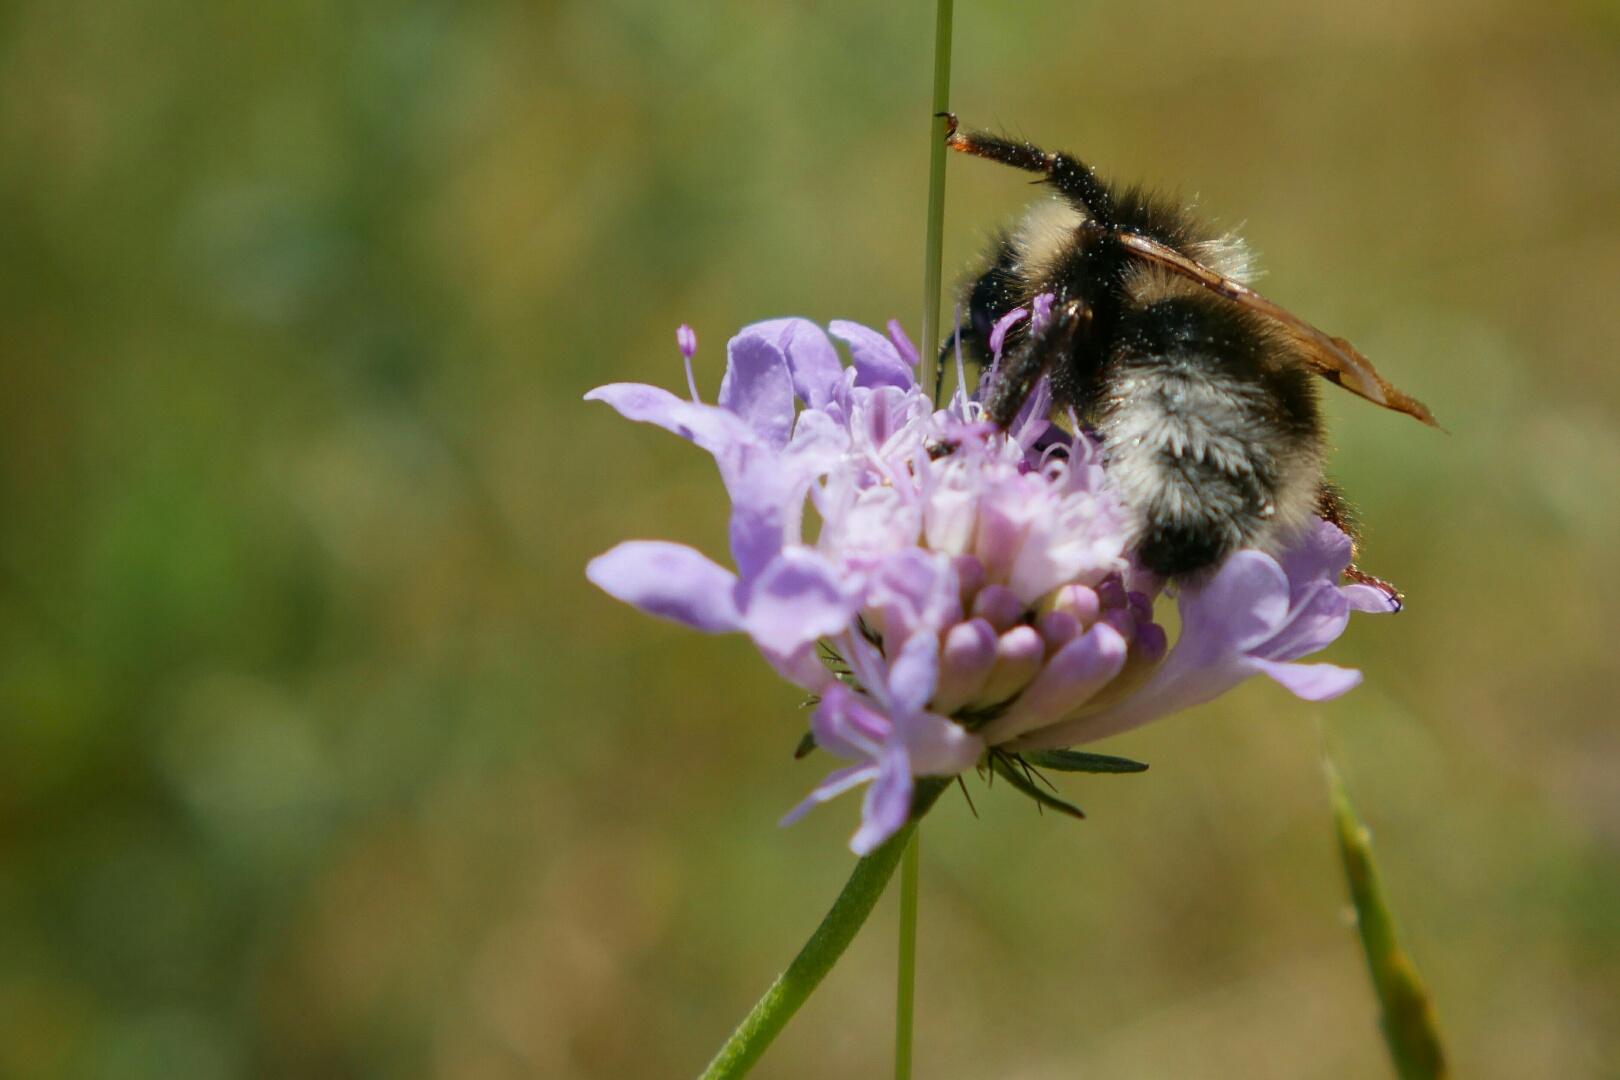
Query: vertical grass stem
{"x": 905, "y": 997}
{"x": 933, "y": 247}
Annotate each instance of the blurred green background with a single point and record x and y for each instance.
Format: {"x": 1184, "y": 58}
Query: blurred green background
{"x": 319, "y": 757}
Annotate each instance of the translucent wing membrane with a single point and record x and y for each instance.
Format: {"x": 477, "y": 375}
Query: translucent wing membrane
{"x": 1335, "y": 359}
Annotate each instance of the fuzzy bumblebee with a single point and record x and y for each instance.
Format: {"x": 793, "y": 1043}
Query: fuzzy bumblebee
{"x": 1201, "y": 390}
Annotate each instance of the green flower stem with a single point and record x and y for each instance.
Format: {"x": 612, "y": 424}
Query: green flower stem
{"x": 905, "y": 997}
{"x": 772, "y": 1012}
{"x": 934, "y": 245}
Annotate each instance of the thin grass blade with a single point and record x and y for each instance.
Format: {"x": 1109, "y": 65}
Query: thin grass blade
{"x": 1407, "y": 1012}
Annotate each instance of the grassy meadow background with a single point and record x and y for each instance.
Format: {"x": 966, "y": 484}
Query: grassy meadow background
{"x": 319, "y": 758}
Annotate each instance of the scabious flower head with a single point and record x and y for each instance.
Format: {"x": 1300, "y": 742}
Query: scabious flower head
{"x": 968, "y": 590}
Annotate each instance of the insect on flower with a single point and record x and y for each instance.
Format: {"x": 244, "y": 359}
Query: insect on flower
{"x": 952, "y": 609}
{"x": 1200, "y": 389}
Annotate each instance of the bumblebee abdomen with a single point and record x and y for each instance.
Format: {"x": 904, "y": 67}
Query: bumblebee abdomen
{"x": 1190, "y": 514}
{"x": 1212, "y": 433}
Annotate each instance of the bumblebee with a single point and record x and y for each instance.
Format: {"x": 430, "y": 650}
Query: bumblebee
{"x": 1201, "y": 390}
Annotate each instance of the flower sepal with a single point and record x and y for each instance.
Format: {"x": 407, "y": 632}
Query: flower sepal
{"x": 1017, "y": 772}
{"x": 1081, "y": 761}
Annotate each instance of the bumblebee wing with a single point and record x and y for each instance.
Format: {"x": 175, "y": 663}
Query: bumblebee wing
{"x": 1335, "y": 359}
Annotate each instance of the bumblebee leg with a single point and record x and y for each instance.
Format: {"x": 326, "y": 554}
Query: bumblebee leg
{"x": 1072, "y": 177}
{"x": 990, "y": 296}
{"x": 994, "y": 293}
{"x": 1334, "y": 509}
{"x": 951, "y": 343}
{"x": 1023, "y": 367}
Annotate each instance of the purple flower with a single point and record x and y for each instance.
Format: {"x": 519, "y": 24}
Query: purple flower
{"x": 1254, "y": 617}
{"x": 967, "y": 589}
{"x": 890, "y": 735}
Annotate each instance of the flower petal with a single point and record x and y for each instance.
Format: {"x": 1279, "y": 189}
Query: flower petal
{"x": 708, "y": 426}
{"x": 914, "y": 590}
{"x": 913, "y": 673}
{"x": 1320, "y": 554}
{"x": 1031, "y": 423}
{"x": 768, "y": 488}
{"x": 758, "y": 388}
{"x": 846, "y": 726}
{"x": 1074, "y": 673}
{"x": 938, "y": 746}
{"x": 797, "y": 598}
{"x": 1237, "y": 609}
{"x": 1313, "y": 682}
{"x": 818, "y": 442}
{"x": 812, "y": 358}
{"x": 671, "y": 581}
{"x": 877, "y": 361}
{"x": 888, "y": 803}
{"x": 837, "y": 782}
{"x": 1315, "y": 621}
{"x": 762, "y": 498}
{"x": 803, "y": 668}
{"x": 1237, "y": 625}
{"x": 1371, "y": 600}
{"x": 966, "y": 659}
{"x": 902, "y": 343}
{"x": 998, "y": 333}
